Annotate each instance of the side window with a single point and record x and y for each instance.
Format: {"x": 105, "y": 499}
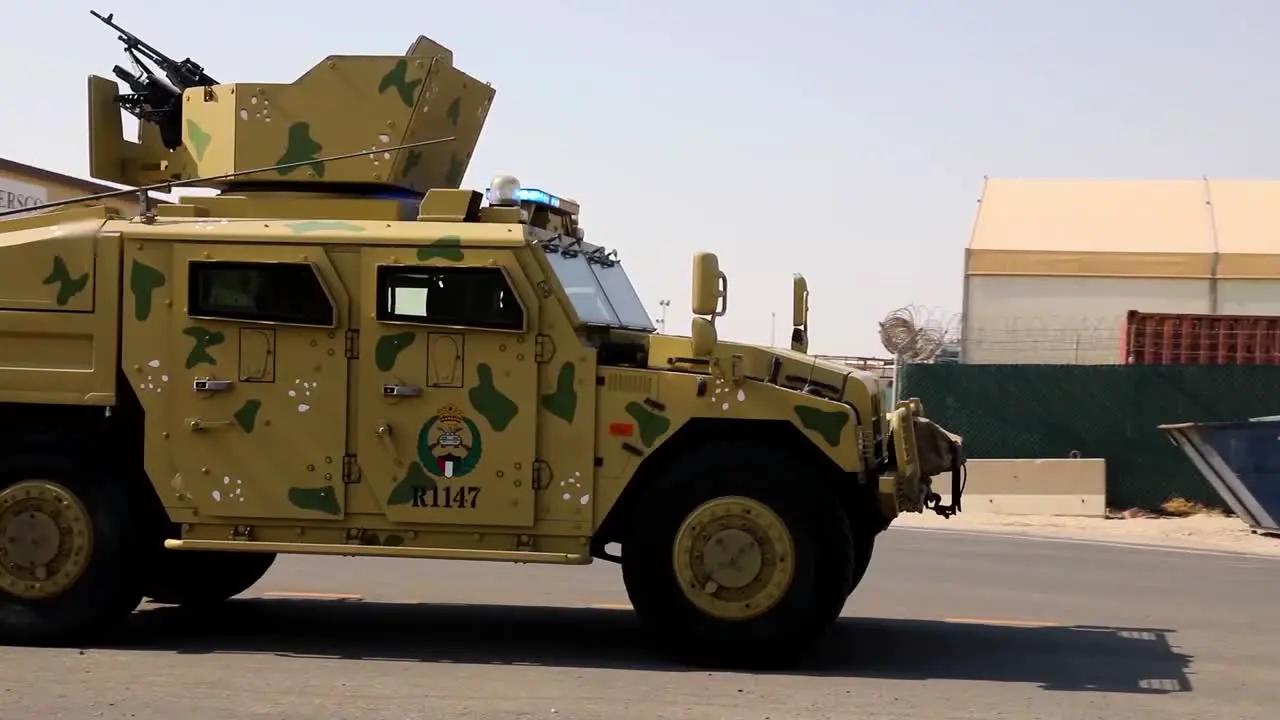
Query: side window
{"x": 478, "y": 297}
{"x": 274, "y": 292}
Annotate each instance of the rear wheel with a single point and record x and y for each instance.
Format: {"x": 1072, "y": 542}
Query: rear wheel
{"x": 69, "y": 542}
{"x": 737, "y": 555}
{"x": 199, "y": 577}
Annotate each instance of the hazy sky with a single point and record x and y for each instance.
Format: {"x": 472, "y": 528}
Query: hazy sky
{"x": 844, "y": 140}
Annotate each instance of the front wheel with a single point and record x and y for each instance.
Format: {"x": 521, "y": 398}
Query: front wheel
{"x": 70, "y": 543}
{"x": 202, "y": 577}
{"x": 737, "y": 554}
{"x": 863, "y": 549}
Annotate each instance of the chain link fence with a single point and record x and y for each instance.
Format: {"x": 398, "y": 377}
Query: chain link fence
{"x": 1095, "y": 411}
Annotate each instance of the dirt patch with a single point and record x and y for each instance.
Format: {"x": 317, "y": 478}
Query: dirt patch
{"x": 1181, "y": 507}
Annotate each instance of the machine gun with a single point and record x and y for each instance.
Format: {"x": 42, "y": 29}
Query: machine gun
{"x": 156, "y": 99}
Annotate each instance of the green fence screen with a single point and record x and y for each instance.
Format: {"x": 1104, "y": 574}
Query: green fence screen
{"x": 1106, "y": 411}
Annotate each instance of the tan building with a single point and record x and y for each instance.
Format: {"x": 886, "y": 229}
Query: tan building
{"x": 1053, "y": 266}
{"x": 27, "y": 186}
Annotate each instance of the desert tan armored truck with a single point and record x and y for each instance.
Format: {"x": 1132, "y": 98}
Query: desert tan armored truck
{"x": 345, "y": 353}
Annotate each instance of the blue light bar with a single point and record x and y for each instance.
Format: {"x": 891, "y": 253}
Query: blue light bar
{"x": 542, "y": 197}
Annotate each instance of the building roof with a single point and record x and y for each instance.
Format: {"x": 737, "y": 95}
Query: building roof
{"x": 1161, "y": 228}
{"x": 88, "y": 186}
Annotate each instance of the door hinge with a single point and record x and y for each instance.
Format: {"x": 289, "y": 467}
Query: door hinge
{"x": 353, "y": 345}
{"x": 541, "y": 474}
{"x": 544, "y": 348}
{"x": 350, "y": 470}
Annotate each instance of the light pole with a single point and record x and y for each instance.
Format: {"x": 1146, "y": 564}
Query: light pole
{"x": 662, "y": 321}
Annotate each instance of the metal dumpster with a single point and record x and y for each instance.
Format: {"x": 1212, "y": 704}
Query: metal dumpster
{"x": 1241, "y": 460}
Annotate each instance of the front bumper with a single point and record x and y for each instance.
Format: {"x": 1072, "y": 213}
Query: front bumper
{"x": 921, "y": 450}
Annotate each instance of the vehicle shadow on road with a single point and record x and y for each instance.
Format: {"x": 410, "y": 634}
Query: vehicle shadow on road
{"x": 1099, "y": 659}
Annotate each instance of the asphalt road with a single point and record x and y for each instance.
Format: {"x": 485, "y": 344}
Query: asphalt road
{"x": 944, "y": 626}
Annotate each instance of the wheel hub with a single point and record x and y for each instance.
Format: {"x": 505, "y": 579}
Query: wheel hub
{"x": 734, "y": 558}
{"x": 45, "y": 539}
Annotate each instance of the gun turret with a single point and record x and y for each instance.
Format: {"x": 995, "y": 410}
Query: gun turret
{"x": 299, "y": 135}
{"x": 155, "y": 99}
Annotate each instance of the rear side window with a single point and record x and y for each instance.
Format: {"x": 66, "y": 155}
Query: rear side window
{"x": 285, "y": 293}
{"x": 477, "y": 297}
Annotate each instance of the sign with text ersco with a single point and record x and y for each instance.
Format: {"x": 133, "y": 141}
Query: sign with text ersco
{"x": 15, "y": 195}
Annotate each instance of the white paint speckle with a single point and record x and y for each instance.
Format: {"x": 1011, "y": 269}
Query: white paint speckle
{"x": 565, "y": 496}
{"x": 154, "y": 363}
{"x": 226, "y": 479}
{"x": 244, "y": 114}
{"x": 303, "y": 407}
{"x": 742, "y": 395}
{"x": 724, "y": 406}
{"x": 217, "y": 496}
{"x": 584, "y": 499}
{"x": 384, "y": 138}
{"x": 164, "y": 378}
{"x": 293, "y": 393}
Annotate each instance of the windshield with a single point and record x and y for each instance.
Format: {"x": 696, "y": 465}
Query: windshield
{"x": 598, "y": 287}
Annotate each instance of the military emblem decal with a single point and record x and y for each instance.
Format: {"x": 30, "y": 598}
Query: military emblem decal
{"x": 449, "y": 443}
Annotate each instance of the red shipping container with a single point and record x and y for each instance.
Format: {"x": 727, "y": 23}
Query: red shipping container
{"x": 1191, "y": 339}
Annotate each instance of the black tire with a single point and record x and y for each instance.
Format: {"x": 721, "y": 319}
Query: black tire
{"x": 110, "y": 587}
{"x": 199, "y": 577}
{"x": 801, "y": 498}
{"x": 863, "y": 550}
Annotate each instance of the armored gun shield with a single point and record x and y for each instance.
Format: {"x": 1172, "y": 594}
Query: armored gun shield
{"x": 344, "y": 104}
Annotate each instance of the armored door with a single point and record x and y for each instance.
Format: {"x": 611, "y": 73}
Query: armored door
{"x": 448, "y": 382}
{"x": 258, "y": 392}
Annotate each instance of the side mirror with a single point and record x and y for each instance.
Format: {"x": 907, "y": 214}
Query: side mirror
{"x": 799, "y": 340}
{"x": 799, "y": 314}
{"x": 799, "y": 301}
{"x": 704, "y": 337}
{"x": 710, "y": 286}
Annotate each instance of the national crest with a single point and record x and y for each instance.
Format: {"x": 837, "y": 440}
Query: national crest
{"x": 449, "y": 443}
{"x": 450, "y": 414}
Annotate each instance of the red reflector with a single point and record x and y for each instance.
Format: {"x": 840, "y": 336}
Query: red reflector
{"x": 621, "y": 429}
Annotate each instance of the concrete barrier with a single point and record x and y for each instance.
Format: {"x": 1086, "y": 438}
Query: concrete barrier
{"x": 1056, "y": 486}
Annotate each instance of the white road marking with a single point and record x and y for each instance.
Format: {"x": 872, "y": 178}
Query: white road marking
{"x": 1003, "y": 623}
{"x": 311, "y": 595}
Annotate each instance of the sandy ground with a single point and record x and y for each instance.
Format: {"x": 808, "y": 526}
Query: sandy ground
{"x": 1200, "y": 532}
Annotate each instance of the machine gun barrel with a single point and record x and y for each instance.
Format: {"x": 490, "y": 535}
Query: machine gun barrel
{"x": 182, "y": 74}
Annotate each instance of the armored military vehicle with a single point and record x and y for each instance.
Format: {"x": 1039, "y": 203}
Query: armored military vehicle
{"x": 343, "y": 352}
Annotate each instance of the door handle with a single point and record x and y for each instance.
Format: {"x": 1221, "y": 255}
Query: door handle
{"x": 210, "y": 385}
{"x": 384, "y": 433}
{"x": 401, "y": 391}
{"x": 196, "y": 424}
